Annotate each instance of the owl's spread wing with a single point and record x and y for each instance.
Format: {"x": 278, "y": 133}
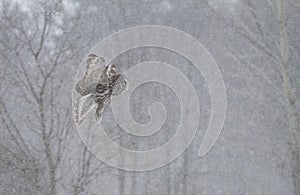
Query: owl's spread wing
{"x": 95, "y": 70}
{"x": 83, "y": 107}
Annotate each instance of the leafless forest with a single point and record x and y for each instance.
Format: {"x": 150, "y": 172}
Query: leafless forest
{"x": 256, "y": 45}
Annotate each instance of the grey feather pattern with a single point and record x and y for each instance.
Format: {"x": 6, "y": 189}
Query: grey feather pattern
{"x": 94, "y": 71}
{"x": 96, "y": 87}
{"x": 83, "y": 107}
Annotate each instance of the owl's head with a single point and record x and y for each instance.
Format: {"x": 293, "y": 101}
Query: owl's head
{"x": 120, "y": 84}
{"x": 111, "y": 70}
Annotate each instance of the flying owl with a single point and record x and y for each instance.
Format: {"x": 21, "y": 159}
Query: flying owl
{"x": 96, "y": 88}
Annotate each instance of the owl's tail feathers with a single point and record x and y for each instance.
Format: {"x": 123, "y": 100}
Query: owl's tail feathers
{"x": 83, "y": 107}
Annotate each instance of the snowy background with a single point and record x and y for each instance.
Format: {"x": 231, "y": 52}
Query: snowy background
{"x": 256, "y": 45}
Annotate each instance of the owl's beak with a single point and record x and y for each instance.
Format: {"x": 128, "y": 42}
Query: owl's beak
{"x": 126, "y": 84}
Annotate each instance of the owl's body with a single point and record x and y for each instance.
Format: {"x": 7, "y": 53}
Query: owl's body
{"x": 96, "y": 88}
{"x": 102, "y": 96}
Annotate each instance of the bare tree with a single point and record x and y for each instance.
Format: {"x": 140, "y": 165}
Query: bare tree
{"x": 274, "y": 44}
{"x": 39, "y": 43}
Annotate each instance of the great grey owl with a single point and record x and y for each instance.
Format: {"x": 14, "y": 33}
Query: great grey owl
{"x": 96, "y": 87}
